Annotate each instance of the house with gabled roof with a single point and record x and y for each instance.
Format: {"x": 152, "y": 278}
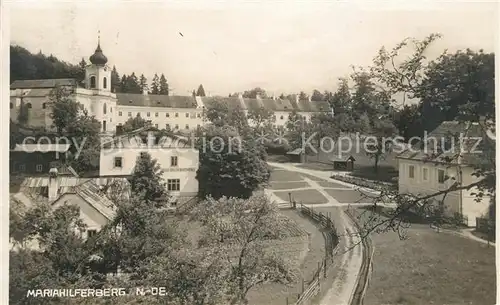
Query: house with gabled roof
{"x": 449, "y": 156}
{"x": 58, "y": 188}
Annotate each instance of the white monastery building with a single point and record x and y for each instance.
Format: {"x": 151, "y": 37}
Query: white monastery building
{"x": 112, "y": 109}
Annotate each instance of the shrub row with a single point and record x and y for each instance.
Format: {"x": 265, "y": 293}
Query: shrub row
{"x": 375, "y": 185}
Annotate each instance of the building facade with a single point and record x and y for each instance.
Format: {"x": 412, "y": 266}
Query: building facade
{"x": 436, "y": 170}
{"x": 177, "y": 158}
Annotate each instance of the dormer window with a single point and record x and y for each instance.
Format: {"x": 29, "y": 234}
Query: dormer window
{"x": 130, "y": 101}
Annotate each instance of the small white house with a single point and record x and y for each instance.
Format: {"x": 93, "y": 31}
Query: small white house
{"x": 177, "y": 158}
{"x": 442, "y": 162}
{"x": 62, "y": 188}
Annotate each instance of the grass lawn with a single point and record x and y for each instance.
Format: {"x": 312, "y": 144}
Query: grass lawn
{"x": 276, "y": 294}
{"x": 303, "y": 196}
{"x": 332, "y": 184}
{"x": 313, "y": 164}
{"x": 349, "y": 196}
{"x": 431, "y": 268}
{"x": 283, "y": 175}
{"x": 288, "y": 185}
{"x": 313, "y": 178}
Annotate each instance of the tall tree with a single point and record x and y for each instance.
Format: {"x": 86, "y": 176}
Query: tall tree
{"x": 298, "y": 131}
{"x": 200, "y": 91}
{"x": 341, "y": 100}
{"x": 133, "y": 85}
{"x": 123, "y": 84}
{"x": 303, "y": 96}
{"x": 147, "y": 181}
{"x": 24, "y": 113}
{"x": 155, "y": 85}
{"x": 317, "y": 96}
{"x": 71, "y": 119}
{"x": 115, "y": 80}
{"x": 247, "y": 231}
{"x": 408, "y": 121}
{"x": 229, "y": 166}
{"x": 143, "y": 83}
{"x": 261, "y": 117}
{"x": 65, "y": 110}
{"x": 81, "y": 71}
{"x": 163, "y": 85}
{"x": 257, "y": 91}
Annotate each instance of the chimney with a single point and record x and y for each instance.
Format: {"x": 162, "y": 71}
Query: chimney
{"x": 144, "y": 92}
{"x": 53, "y": 184}
{"x": 297, "y": 98}
{"x": 151, "y": 139}
{"x": 240, "y": 96}
{"x": 257, "y": 96}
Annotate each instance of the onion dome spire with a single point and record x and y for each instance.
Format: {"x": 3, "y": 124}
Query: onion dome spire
{"x": 98, "y": 58}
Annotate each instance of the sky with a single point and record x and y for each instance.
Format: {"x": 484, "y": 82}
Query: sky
{"x": 235, "y": 46}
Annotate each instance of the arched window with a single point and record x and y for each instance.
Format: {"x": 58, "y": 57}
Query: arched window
{"x": 28, "y": 105}
{"x": 11, "y": 105}
{"x": 92, "y": 82}
{"x": 104, "y": 83}
{"x": 44, "y": 105}
{"x": 104, "y": 108}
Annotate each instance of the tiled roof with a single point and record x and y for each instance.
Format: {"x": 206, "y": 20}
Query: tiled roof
{"x": 42, "y": 83}
{"x": 37, "y": 92}
{"x": 449, "y": 132}
{"x": 138, "y": 138}
{"x": 285, "y": 105}
{"x": 91, "y": 193}
{"x": 36, "y": 188}
{"x": 231, "y": 102}
{"x": 252, "y": 104}
{"x": 153, "y": 100}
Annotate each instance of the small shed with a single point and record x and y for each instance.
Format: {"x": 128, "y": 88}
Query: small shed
{"x": 341, "y": 163}
{"x": 297, "y": 155}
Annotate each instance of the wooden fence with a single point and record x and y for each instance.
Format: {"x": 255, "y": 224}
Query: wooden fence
{"x": 366, "y": 265}
{"x": 312, "y": 287}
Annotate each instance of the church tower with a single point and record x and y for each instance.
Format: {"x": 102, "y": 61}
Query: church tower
{"x": 98, "y": 74}
{"x": 98, "y": 85}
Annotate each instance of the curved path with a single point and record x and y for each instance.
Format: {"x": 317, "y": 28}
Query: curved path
{"x": 350, "y": 254}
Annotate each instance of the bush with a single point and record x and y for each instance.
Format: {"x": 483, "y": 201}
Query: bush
{"x": 375, "y": 185}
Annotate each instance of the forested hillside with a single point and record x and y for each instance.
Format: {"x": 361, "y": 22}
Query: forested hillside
{"x": 26, "y": 65}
